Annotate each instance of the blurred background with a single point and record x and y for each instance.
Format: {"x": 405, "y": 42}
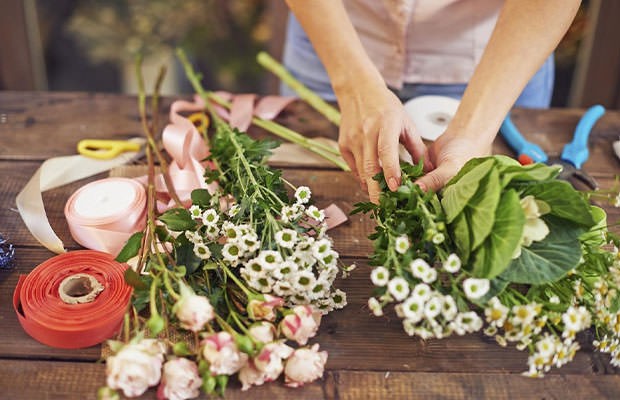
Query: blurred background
{"x": 89, "y": 45}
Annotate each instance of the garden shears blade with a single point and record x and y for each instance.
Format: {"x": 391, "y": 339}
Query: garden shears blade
{"x": 574, "y": 154}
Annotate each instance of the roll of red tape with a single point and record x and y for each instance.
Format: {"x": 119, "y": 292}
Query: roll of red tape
{"x": 51, "y": 321}
{"x": 103, "y": 214}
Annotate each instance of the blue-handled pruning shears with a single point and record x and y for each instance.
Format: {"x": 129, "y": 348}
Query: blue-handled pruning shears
{"x": 573, "y": 155}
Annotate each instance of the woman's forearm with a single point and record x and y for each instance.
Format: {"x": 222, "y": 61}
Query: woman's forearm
{"x": 336, "y": 42}
{"x": 527, "y": 31}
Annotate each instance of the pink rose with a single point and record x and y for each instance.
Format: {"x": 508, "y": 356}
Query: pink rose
{"x": 262, "y": 331}
{"x": 304, "y": 366}
{"x": 265, "y": 367}
{"x": 136, "y": 367}
{"x": 193, "y": 311}
{"x": 221, "y": 351}
{"x": 301, "y": 325}
{"x": 264, "y": 309}
{"x": 180, "y": 381}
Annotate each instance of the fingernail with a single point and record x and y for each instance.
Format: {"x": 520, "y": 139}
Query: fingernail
{"x": 392, "y": 183}
{"x": 422, "y": 186}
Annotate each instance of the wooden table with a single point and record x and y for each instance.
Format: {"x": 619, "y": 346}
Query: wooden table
{"x": 369, "y": 357}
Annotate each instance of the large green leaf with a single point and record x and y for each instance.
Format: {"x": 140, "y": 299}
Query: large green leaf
{"x": 564, "y": 200}
{"x": 533, "y": 172}
{"x": 462, "y": 237}
{"x": 131, "y": 247}
{"x": 495, "y": 254}
{"x": 457, "y": 195}
{"x": 480, "y": 210}
{"x": 551, "y": 258}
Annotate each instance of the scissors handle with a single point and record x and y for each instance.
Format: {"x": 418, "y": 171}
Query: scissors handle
{"x": 519, "y": 144}
{"x": 576, "y": 152}
{"x": 105, "y": 149}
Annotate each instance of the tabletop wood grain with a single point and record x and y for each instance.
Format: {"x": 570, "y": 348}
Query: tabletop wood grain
{"x": 369, "y": 357}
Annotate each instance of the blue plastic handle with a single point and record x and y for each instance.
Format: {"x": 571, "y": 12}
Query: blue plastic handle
{"x": 576, "y": 152}
{"x": 519, "y": 144}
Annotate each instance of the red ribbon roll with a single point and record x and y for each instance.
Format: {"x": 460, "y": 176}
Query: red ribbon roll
{"x": 103, "y": 214}
{"x": 48, "y": 319}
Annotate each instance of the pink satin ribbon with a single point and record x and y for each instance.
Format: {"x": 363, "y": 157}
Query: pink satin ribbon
{"x": 244, "y": 107}
{"x": 107, "y": 233}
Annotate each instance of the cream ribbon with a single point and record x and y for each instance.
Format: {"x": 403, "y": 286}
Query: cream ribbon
{"x": 51, "y": 174}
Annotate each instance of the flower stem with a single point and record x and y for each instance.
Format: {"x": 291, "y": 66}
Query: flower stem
{"x": 235, "y": 279}
{"x": 330, "y": 112}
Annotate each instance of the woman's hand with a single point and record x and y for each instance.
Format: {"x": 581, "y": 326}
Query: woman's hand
{"x": 449, "y": 153}
{"x": 373, "y": 123}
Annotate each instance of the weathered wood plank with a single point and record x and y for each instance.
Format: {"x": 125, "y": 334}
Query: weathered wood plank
{"x": 352, "y": 385}
{"x": 27, "y": 380}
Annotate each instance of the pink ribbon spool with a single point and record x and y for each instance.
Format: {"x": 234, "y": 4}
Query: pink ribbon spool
{"x": 103, "y": 214}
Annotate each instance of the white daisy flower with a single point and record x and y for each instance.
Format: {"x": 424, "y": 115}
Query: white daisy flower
{"x": 315, "y": 213}
{"x": 212, "y": 232}
{"x": 286, "y": 238}
{"x": 202, "y": 251}
{"x": 433, "y": 306}
{"x": 303, "y": 281}
{"x": 496, "y": 313}
{"x": 413, "y": 309}
{"x": 250, "y": 242}
{"x": 419, "y": 268}
{"x": 375, "y": 307}
{"x": 430, "y": 276}
{"x": 255, "y": 267}
{"x": 234, "y": 210}
{"x": 283, "y": 288}
{"x": 195, "y": 211}
{"x": 449, "y": 309}
{"x": 402, "y": 244}
{"x": 303, "y": 194}
{"x": 232, "y": 252}
{"x": 421, "y": 291}
{"x": 285, "y": 268}
{"x": 546, "y": 347}
{"x": 475, "y": 288}
{"x": 380, "y": 276}
{"x": 339, "y": 299}
{"x": 210, "y": 217}
{"x": 398, "y": 288}
{"x": 452, "y": 264}
{"x": 193, "y": 237}
{"x": 291, "y": 213}
{"x": 330, "y": 259}
{"x": 321, "y": 248}
{"x": 269, "y": 259}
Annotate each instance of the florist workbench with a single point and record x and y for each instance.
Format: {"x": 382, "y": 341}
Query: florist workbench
{"x": 369, "y": 357}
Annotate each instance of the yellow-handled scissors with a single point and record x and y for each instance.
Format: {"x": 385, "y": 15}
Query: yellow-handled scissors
{"x": 106, "y": 149}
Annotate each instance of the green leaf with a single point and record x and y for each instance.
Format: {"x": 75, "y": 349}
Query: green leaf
{"x": 201, "y": 197}
{"x": 457, "y": 195}
{"x": 551, "y": 258}
{"x": 531, "y": 172}
{"x": 132, "y": 278}
{"x": 208, "y": 383}
{"x": 178, "y": 219}
{"x": 462, "y": 237}
{"x": 495, "y": 254}
{"x": 181, "y": 349}
{"x": 155, "y": 324}
{"x": 131, "y": 248}
{"x": 564, "y": 200}
{"x": 594, "y": 236}
{"x": 480, "y": 210}
{"x": 184, "y": 255}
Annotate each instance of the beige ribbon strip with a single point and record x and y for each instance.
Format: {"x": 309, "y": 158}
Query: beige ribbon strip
{"x": 53, "y": 173}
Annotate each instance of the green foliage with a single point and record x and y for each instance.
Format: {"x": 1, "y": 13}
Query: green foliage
{"x": 131, "y": 248}
{"x": 178, "y": 219}
{"x": 564, "y": 200}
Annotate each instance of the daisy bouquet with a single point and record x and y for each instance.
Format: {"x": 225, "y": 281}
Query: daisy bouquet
{"x": 233, "y": 285}
{"x": 504, "y": 248}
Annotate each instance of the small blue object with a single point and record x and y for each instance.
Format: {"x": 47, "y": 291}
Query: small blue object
{"x": 518, "y": 143}
{"x": 576, "y": 152}
{"x": 7, "y": 254}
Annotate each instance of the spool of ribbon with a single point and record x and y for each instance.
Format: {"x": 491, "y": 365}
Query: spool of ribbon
{"x": 53, "y": 173}
{"x": 103, "y": 214}
{"x": 41, "y": 311}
